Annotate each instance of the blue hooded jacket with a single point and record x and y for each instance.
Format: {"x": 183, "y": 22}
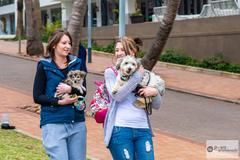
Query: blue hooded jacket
{"x": 59, "y": 114}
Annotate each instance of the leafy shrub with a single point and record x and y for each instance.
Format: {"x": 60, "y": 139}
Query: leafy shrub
{"x": 220, "y": 62}
{"x": 234, "y": 68}
{"x": 23, "y": 37}
{"x": 48, "y": 30}
{"x": 216, "y": 62}
{"x": 109, "y": 48}
{"x": 140, "y": 54}
{"x": 137, "y": 13}
{"x": 171, "y": 56}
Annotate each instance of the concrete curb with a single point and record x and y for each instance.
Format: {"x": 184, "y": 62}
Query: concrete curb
{"x": 20, "y": 56}
{"x": 200, "y": 70}
{"x": 182, "y": 67}
{"x": 203, "y": 95}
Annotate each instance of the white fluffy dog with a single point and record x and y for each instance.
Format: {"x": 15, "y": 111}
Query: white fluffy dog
{"x": 152, "y": 80}
{"x": 126, "y": 66}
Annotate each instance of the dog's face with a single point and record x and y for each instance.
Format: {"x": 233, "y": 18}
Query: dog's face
{"x": 75, "y": 77}
{"x": 127, "y": 65}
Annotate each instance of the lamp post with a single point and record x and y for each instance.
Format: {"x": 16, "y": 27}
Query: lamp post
{"x": 121, "y": 18}
{"x": 89, "y": 31}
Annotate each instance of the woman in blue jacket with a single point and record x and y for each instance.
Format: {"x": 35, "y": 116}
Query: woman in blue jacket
{"x": 63, "y": 125}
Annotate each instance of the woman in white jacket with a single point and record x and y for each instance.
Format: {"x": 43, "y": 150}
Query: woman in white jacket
{"x": 127, "y": 129}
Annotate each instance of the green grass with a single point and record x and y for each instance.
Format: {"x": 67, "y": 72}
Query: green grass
{"x": 16, "y": 146}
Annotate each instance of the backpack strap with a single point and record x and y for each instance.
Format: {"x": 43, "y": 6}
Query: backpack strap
{"x": 114, "y": 70}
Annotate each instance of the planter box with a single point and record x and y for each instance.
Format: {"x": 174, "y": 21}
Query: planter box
{"x": 137, "y": 19}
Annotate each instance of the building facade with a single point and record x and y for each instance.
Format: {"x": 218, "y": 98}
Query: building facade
{"x": 7, "y": 17}
{"x": 104, "y": 12}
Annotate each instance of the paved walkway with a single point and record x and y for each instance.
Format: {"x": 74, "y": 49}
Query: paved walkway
{"x": 167, "y": 147}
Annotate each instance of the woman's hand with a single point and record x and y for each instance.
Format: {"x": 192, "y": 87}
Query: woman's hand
{"x": 63, "y": 88}
{"x": 148, "y": 91}
{"x": 67, "y": 100}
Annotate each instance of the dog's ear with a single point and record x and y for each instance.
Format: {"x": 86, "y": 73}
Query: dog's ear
{"x": 70, "y": 73}
{"x": 82, "y": 73}
{"x": 138, "y": 62}
{"x": 118, "y": 64}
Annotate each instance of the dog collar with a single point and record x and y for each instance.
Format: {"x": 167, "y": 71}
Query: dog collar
{"x": 124, "y": 78}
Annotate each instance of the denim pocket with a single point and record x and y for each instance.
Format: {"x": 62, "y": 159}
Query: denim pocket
{"x": 116, "y": 135}
{"x": 121, "y": 135}
{"x": 116, "y": 130}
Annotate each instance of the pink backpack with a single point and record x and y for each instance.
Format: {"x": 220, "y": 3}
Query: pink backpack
{"x": 101, "y": 101}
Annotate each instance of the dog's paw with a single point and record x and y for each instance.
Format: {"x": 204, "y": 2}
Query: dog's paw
{"x": 139, "y": 103}
{"x": 114, "y": 91}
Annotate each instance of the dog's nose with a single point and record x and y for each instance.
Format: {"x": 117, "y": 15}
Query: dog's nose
{"x": 129, "y": 69}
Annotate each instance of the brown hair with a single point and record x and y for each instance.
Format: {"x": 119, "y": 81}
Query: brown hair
{"x": 130, "y": 44}
{"x": 54, "y": 39}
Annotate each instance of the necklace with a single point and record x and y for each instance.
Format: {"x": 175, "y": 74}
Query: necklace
{"x": 62, "y": 65}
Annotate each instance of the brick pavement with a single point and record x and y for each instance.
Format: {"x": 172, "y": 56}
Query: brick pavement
{"x": 167, "y": 147}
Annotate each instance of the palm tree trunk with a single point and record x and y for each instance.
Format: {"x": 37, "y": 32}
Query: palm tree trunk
{"x": 20, "y": 29}
{"x": 151, "y": 58}
{"x": 34, "y": 43}
{"x": 76, "y": 22}
{"x": 37, "y": 17}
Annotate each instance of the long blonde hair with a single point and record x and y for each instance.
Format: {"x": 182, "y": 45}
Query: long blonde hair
{"x": 130, "y": 45}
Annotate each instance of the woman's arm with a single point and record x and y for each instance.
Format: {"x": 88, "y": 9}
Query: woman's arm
{"x": 154, "y": 93}
{"x": 39, "y": 88}
{"x": 126, "y": 89}
{"x": 156, "y": 101}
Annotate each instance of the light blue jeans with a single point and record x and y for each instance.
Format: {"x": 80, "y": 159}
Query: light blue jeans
{"x": 65, "y": 141}
{"x": 131, "y": 144}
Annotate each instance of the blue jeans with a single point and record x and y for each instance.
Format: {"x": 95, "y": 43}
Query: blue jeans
{"x": 131, "y": 144}
{"x": 65, "y": 141}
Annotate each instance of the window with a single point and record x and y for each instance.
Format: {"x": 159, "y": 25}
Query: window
{"x": 6, "y": 2}
{"x": 56, "y": 14}
{"x": 110, "y": 9}
{"x": 44, "y": 17}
